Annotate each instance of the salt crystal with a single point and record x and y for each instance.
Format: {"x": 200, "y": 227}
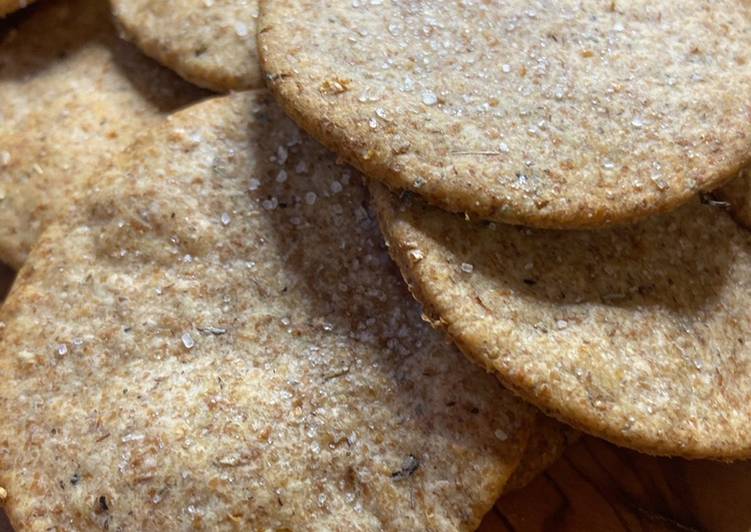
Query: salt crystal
{"x": 188, "y": 341}
{"x": 281, "y": 154}
{"x": 241, "y": 29}
{"x": 429, "y": 98}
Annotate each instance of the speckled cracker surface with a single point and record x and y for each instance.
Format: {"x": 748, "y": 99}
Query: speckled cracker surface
{"x": 71, "y": 95}
{"x": 225, "y": 343}
{"x": 638, "y": 335}
{"x": 563, "y": 114}
{"x": 211, "y": 43}
{"x": 10, "y": 6}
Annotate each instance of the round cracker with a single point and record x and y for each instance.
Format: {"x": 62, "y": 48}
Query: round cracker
{"x": 224, "y": 342}
{"x": 564, "y": 114}
{"x": 639, "y": 335}
{"x": 209, "y": 43}
{"x": 10, "y": 6}
{"x": 67, "y": 101}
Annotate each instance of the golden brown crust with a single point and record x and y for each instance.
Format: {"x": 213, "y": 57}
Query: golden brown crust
{"x": 636, "y": 334}
{"x": 224, "y": 343}
{"x": 211, "y": 44}
{"x": 484, "y": 108}
{"x": 71, "y": 95}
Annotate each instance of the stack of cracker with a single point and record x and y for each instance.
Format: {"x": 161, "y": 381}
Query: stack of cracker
{"x": 206, "y": 330}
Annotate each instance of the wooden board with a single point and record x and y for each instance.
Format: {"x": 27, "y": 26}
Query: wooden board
{"x": 599, "y": 487}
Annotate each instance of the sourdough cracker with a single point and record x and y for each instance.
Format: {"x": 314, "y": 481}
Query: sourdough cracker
{"x": 566, "y": 114}
{"x": 637, "y": 334}
{"x": 71, "y": 95}
{"x": 211, "y": 44}
{"x": 225, "y": 343}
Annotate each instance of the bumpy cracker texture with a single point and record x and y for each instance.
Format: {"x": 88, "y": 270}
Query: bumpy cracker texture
{"x": 557, "y": 114}
{"x": 211, "y": 43}
{"x": 71, "y": 94}
{"x": 224, "y": 342}
{"x": 10, "y": 6}
{"x": 638, "y": 335}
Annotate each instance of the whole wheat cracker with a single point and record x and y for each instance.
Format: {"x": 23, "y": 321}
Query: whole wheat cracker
{"x": 71, "y": 95}
{"x": 638, "y": 335}
{"x": 217, "y": 338}
{"x": 209, "y": 43}
{"x": 564, "y": 114}
{"x": 11, "y": 6}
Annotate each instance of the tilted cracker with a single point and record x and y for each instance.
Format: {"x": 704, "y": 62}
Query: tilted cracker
{"x": 563, "y": 114}
{"x": 71, "y": 94}
{"x": 639, "y": 335}
{"x": 211, "y": 44}
{"x": 217, "y": 338}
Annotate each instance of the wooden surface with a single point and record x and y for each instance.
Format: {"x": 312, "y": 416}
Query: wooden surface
{"x": 598, "y": 487}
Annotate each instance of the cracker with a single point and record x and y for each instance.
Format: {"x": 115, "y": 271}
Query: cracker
{"x": 224, "y": 342}
{"x": 10, "y": 6}
{"x": 71, "y": 94}
{"x": 211, "y": 44}
{"x": 565, "y": 114}
{"x": 638, "y": 335}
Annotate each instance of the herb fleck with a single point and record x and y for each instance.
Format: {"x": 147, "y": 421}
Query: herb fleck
{"x": 409, "y": 466}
